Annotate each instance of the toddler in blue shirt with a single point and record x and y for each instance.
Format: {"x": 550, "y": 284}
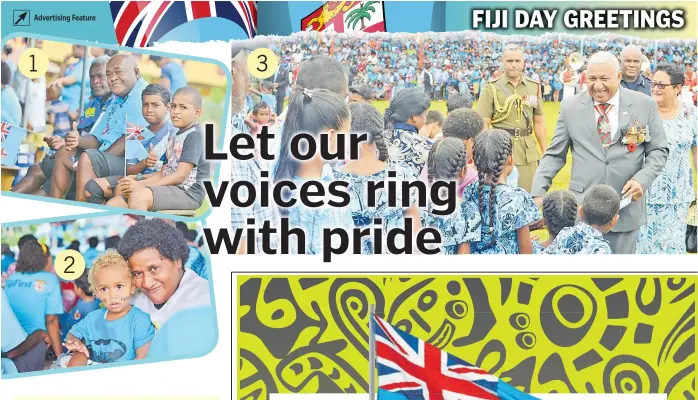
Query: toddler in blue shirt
{"x": 117, "y": 332}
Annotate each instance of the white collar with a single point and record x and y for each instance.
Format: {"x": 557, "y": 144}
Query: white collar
{"x": 614, "y": 101}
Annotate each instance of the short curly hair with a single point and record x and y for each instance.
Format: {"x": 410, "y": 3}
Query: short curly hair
{"x": 156, "y": 234}
{"x": 109, "y": 258}
{"x": 32, "y": 257}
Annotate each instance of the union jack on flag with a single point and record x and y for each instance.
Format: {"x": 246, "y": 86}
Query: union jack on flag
{"x": 418, "y": 370}
{"x": 5, "y": 131}
{"x": 134, "y": 131}
{"x": 140, "y": 23}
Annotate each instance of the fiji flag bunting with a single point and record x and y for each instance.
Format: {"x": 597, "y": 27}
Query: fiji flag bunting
{"x": 12, "y": 137}
{"x": 410, "y": 368}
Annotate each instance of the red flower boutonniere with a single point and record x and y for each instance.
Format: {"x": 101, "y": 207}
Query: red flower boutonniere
{"x": 637, "y": 134}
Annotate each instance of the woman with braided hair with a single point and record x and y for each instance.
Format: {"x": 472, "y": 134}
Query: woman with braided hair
{"x": 404, "y": 118}
{"x": 559, "y": 211}
{"x": 506, "y": 211}
{"x": 447, "y": 162}
{"x": 316, "y": 112}
{"x": 373, "y": 165}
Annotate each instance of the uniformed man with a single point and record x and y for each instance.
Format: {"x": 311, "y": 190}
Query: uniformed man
{"x": 631, "y": 67}
{"x": 514, "y": 103}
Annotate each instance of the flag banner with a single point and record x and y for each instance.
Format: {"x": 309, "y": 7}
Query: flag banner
{"x": 346, "y": 16}
{"x": 418, "y": 370}
{"x": 136, "y": 132}
{"x": 11, "y": 138}
{"x": 135, "y": 150}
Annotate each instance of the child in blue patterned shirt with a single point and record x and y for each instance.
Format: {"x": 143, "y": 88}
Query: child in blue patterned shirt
{"x": 316, "y": 112}
{"x": 506, "y": 211}
{"x": 559, "y": 212}
{"x": 598, "y": 214}
{"x": 447, "y": 162}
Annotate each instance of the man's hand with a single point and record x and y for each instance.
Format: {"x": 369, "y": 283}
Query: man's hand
{"x": 72, "y": 139}
{"x": 633, "y": 188}
{"x": 54, "y": 142}
{"x": 152, "y": 158}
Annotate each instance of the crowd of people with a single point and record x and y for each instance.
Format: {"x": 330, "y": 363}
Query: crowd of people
{"x": 131, "y": 144}
{"x": 460, "y": 62}
{"x": 131, "y": 288}
{"x": 631, "y": 139}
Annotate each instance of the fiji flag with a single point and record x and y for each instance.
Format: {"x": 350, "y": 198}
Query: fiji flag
{"x": 11, "y": 138}
{"x": 410, "y": 368}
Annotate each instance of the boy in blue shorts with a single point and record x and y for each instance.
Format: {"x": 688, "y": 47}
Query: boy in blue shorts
{"x": 117, "y": 332}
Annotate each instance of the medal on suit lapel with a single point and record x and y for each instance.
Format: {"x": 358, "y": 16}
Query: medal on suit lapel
{"x": 637, "y": 134}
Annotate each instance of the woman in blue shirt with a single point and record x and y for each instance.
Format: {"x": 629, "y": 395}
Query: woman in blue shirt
{"x": 35, "y": 293}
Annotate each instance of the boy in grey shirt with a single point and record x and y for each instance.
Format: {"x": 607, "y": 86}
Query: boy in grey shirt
{"x": 179, "y": 185}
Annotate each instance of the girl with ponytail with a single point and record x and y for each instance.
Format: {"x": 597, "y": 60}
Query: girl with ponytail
{"x": 316, "y": 112}
{"x": 506, "y": 211}
{"x": 447, "y": 162}
{"x": 373, "y": 165}
{"x": 404, "y": 118}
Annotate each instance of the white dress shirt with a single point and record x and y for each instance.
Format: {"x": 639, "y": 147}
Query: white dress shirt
{"x": 612, "y": 114}
{"x": 193, "y": 291}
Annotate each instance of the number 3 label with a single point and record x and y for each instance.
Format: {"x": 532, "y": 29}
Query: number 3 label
{"x": 69, "y": 265}
{"x": 262, "y": 63}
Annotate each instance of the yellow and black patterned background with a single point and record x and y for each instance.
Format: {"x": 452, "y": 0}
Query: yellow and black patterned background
{"x": 542, "y": 334}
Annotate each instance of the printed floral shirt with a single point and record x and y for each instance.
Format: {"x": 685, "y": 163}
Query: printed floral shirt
{"x": 461, "y": 226}
{"x": 513, "y": 209}
{"x": 363, "y": 215}
{"x": 579, "y": 239}
{"x": 674, "y": 184}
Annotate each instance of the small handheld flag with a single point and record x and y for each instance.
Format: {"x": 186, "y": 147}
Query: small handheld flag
{"x": 11, "y": 138}
{"x": 135, "y": 150}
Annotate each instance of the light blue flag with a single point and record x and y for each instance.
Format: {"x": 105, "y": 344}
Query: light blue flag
{"x": 135, "y": 150}
{"x": 12, "y": 137}
{"x": 507, "y": 392}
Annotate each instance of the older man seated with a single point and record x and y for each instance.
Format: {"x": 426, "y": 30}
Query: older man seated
{"x": 38, "y": 178}
{"x": 101, "y": 153}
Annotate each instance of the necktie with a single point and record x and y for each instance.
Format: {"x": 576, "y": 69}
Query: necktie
{"x": 603, "y": 126}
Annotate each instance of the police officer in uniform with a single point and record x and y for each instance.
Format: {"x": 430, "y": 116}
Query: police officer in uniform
{"x": 514, "y": 103}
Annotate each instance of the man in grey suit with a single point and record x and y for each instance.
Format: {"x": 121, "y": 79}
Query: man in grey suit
{"x": 593, "y": 124}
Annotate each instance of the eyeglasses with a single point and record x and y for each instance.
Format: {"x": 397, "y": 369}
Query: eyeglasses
{"x": 662, "y": 86}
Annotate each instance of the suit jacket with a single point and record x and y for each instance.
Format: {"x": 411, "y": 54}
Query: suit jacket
{"x": 593, "y": 164}
{"x": 282, "y": 80}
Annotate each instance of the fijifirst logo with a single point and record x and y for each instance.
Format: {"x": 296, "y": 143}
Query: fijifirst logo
{"x": 38, "y": 286}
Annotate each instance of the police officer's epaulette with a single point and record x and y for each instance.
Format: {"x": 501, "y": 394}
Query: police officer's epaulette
{"x": 532, "y": 80}
{"x": 493, "y": 80}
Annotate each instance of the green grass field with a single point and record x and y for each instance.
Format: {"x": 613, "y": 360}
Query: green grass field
{"x": 551, "y": 110}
